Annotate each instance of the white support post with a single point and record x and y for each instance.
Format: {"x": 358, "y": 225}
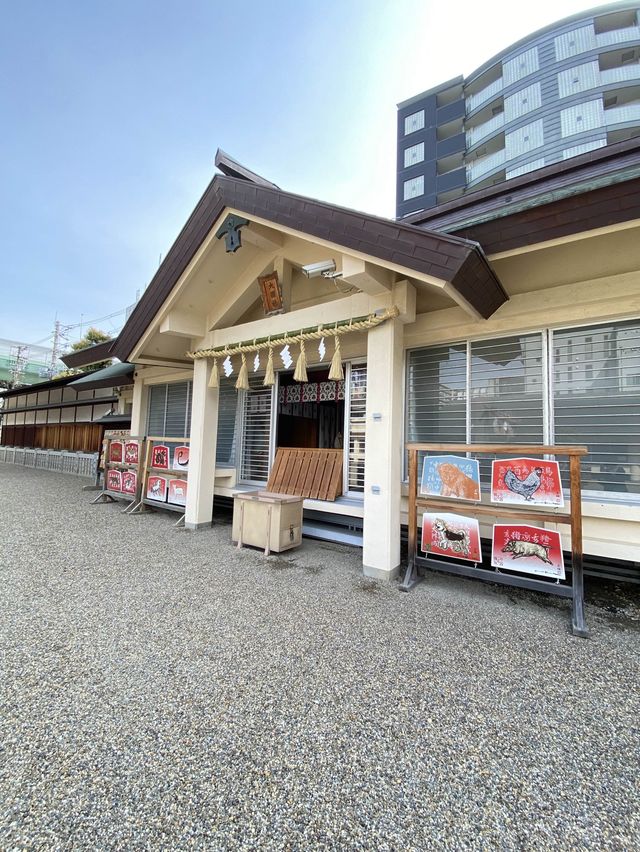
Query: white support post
{"x": 383, "y": 451}
{"x": 202, "y": 455}
{"x": 139, "y": 408}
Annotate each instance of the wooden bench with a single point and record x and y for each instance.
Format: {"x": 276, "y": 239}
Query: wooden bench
{"x": 314, "y": 474}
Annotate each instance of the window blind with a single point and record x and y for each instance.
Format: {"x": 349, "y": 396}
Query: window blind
{"x": 170, "y": 410}
{"x": 357, "y": 426}
{"x": 254, "y": 465}
{"x": 596, "y": 401}
{"x": 227, "y": 417}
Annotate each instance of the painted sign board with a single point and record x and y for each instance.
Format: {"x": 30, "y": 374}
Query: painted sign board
{"x": 446, "y": 534}
{"x": 451, "y": 476}
{"x": 157, "y": 488}
{"x": 532, "y": 550}
{"x": 160, "y": 457}
{"x": 533, "y": 482}
{"x": 131, "y": 452}
{"x": 114, "y": 480}
{"x": 178, "y": 492}
{"x": 116, "y": 452}
{"x": 129, "y": 482}
{"x": 180, "y": 458}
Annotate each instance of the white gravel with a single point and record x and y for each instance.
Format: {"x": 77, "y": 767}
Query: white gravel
{"x": 161, "y": 690}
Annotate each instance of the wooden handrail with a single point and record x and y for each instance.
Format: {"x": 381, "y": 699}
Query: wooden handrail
{"x": 501, "y": 448}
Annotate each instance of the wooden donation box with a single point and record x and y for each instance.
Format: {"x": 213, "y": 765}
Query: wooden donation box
{"x": 267, "y": 520}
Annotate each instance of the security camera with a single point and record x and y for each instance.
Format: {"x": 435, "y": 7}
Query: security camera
{"x": 315, "y": 270}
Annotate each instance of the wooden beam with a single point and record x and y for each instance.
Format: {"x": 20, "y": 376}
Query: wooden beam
{"x": 263, "y": 238}
{"x": 366, "y": 276}
{"x": 181, "y": 324}
{"x": 241, "y": 294}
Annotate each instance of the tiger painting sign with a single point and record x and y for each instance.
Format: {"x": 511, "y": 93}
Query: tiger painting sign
{"x": 451, "y": 476}
{"x": 446, "y": 534}
{"x": 534, "y": 482}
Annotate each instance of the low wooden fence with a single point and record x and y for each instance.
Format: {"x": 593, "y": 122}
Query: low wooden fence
{"x": 76, "y": 464}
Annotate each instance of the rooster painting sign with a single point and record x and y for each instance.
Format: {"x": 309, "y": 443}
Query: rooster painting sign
{"x": 532, "y": 550}
{"x": 526, "y": 481}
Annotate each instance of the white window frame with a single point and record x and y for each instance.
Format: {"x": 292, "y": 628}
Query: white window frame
{"x": 408, "y": 129}
{"x": 548, "y": 413}
{"x": 417, "y": 179}
{"x": 419, "y": 148}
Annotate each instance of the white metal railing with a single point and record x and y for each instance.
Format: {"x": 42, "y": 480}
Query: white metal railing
{"x": 619, "y": 75}
{"x": 616, "y": 36}
{"x": 624, "y": 113}
{"x": 485, "y": 164}
{"x": 472, "y": 101}
{"x": 76, "y": 464}
{"x": 475, "y": 134}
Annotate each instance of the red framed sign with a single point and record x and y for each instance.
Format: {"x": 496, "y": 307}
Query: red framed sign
{"x": 178, "y": 492}
{"x": 115, "y": 452}
{"x": 532, "y": 550}
{"x": 533, "y": 482}
{"x": 180, "y": 458}
{"x": 131, "y": 452}
{"x": 129, "y": 482}
{"x": 157, "y": 489}
{"x": 114, "y": 480}
{"x": 160, "y": 457}
{"x": 446, "y": 534}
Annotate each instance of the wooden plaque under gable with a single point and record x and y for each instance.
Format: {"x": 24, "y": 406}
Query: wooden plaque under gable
{"x": 271, "y": 293}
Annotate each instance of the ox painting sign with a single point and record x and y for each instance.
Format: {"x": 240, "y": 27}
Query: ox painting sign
{"x": 446, "y": 534}
{"x": 532, "y": 550}
{"x": 450, "y": 476}
{"x": 531, "y": 481}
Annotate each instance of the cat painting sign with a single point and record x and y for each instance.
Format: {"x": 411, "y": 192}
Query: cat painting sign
{"x": 530, "y": 481}
{"x": 446, "y": 534}
{"x": 450, "y": 476}
{"x": 532, "y": 550}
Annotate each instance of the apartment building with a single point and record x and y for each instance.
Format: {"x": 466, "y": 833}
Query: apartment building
{"x": 565, "y": 90}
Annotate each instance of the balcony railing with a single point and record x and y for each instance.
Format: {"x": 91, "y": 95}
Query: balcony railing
{"x": 616, "y": 36}
{"x": 622, "y": 114}
{"x": 481, "y": 167}
{"x": 483, "y": 95}
{"x": 475, "y": 134}
{"x": 619, "y": 75}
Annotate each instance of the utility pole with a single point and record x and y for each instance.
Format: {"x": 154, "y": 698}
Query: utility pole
{"x": 59, "y": 336}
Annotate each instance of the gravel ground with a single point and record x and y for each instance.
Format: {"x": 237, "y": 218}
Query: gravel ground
{"x": 162, "y": 690}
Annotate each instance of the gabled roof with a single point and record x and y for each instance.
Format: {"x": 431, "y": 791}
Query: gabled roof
{"x": 460, "y": 262}
{"x": 592, "y": 190}
{"x": 115, "y": 374}
{"x": 88, "y": 355}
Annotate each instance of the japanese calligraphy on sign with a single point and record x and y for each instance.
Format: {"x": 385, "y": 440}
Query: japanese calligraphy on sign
{"x": 532, "y": 550}
{"x": 530, "y": 481}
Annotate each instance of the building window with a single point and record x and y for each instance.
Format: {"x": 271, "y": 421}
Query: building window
{"x": 414, "y": 187}
{"x": 414, "y": 122}
{"x": 169, "y": 410}
{"x": 413, "y": 155}
{"x": 496, "y": 392}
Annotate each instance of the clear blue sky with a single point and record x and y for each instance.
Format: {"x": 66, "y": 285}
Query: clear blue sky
{"x": 111, "y": 113}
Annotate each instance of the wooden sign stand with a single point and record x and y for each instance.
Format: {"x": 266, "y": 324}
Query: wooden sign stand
{"x": 145, "y": 503}
{"x": 109, "y": 496}
{"x": 574, "y": 591}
